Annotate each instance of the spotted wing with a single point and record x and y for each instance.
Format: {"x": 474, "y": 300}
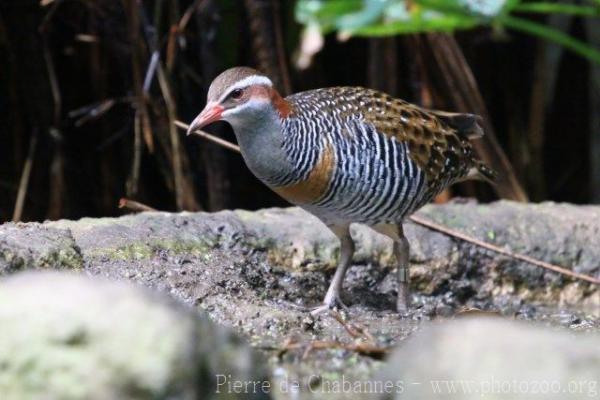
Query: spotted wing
{"x": 438, "y": 142}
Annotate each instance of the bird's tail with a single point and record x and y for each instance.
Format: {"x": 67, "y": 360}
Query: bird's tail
{"x": 482, "y": 172}
{"x": 469, "y": 126}
{"x": 466, "y": 125}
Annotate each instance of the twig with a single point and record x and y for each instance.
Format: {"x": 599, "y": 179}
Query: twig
{"x": 24, "y": 182}
{"x": 365, "y": 349}
{"x": 500, "y": 250}
{"x": 141, "y": 124}
{"x": 91, "y": 112}
{"x": 57, "y": 172}
{"x": 210, "y": 137}
{"x": 171, "y": 49}
{"x": 534, "y": 167}
{"x": 443, "y": 229}
{"x": 134, "y": 175}
{"x": 151, "y": 41}
{"x": 136, "y": 43}
{"x": 150, "y": 71}
{"x": 361, "y": 348}
{"x": 134, "y": 205}
{"x": 55, "y": 89}
{"x": 287, "y": 345}
{"x": 185, "y": 19}
{"x": 353, "y": 330}
{"x": 175, "y": 145}
{"x": 176, "y": 32}
{"x": 49, "y": 14}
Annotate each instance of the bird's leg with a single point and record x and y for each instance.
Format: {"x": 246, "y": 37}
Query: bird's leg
{"x": 332, "y": 298}
{"x": 401, "y": 252}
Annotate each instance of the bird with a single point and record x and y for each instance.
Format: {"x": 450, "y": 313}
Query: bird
{"x": 346, "y": 155}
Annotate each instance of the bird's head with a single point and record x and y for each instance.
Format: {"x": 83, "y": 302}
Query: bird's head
{"x": 240, "y": 96}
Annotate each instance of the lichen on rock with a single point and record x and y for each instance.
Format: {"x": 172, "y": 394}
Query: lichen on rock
{"x": 258, "y": 273}
{"x": 67, "y": 336}
{"x": 26, "y": 246}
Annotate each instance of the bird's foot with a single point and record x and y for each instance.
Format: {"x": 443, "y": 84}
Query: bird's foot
{"x": 403, "y": 301}
{"x": 329, "y": 304}
{"x": 403, "y": 312}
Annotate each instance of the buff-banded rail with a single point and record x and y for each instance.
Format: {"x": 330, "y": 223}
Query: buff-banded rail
{"x": 346, "y": 155}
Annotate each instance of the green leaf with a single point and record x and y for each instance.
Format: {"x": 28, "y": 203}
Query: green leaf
{"x": 392, "y": 17}
{"x": 553, "y": 35}
{"x": 325, "y": 13}
{"x": 427, "y": 22}
{"x": 369, "y": 14}
{"x": 483, "y": 9}
{"x": 510, "y": 5}
{"x": 312, "y": 9}
{"x": 558, "y": 8}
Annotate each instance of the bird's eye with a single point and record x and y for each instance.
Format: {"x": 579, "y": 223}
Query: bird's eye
{"x": 237, "y": 94}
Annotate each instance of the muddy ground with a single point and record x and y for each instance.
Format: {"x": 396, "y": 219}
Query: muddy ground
{"x": 257, "y": 272}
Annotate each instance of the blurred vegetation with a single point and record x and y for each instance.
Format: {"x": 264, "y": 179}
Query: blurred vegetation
{"x": 392, "y": 17}
{"x": 91, "y": 91}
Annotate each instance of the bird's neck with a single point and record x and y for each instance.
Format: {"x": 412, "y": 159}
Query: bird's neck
{"x": 261, "y": 140}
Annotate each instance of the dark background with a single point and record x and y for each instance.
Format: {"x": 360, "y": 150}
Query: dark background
{"x": 72, "y": 76}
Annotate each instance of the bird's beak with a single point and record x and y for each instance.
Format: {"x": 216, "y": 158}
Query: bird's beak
{"x": 211, "y": 113}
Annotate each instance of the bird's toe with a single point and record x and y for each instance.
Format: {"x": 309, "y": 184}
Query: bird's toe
{"x": 329, "y": 304}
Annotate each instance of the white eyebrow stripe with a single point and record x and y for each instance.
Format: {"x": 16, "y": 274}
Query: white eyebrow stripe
{"x": 248, "y": 81}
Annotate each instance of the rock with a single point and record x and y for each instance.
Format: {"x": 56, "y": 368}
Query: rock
{"x": 141, "y": 236}
{"x": 65, "y": 336}
{"x": 294, "y": 242}
{"x": 562, "y": 234}
{"x": 257, "y": 272}
{"x": 473, "y": 358}
{"x": 24, "y": 246}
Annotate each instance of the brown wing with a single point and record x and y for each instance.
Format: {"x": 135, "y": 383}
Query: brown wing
{"x": 438, "y": 141}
